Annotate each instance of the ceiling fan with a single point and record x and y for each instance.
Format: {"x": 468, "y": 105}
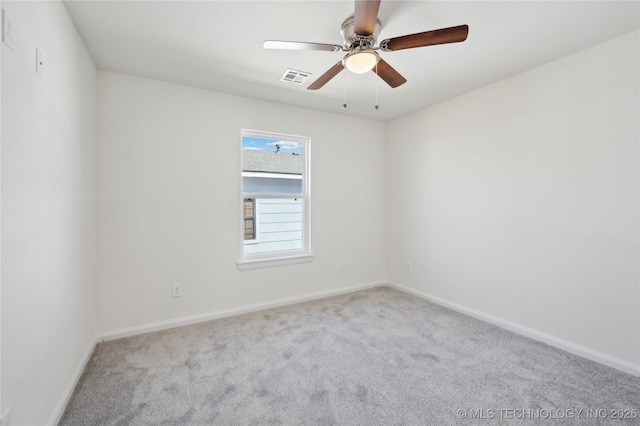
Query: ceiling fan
{"x": 359, "y": 33}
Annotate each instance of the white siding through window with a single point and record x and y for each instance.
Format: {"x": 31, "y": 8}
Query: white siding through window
{"x": 279, "y": 226}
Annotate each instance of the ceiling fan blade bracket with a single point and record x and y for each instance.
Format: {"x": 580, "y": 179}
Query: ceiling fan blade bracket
{"x": 300, "y": 45}
{"x": 363, "y": 42}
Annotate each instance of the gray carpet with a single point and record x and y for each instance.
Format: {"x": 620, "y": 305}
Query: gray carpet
{"x": 372, "y": 357}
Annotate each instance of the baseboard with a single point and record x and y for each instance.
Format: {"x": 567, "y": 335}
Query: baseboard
{"x": 567, "y": 346}
{"x": 68, "y": 392}
{"x": 194, "y": 319}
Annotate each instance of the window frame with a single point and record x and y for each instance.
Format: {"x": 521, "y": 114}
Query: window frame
{"x": 284, "y": 257}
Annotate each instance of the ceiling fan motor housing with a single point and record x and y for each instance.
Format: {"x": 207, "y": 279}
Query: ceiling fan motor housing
{"x": 353, "y": 40}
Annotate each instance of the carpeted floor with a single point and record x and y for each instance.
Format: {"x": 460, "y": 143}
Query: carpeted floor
{"x": 374, "y": 357}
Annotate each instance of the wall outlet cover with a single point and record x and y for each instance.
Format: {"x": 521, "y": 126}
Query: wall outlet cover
{"x": 176, "y": 290}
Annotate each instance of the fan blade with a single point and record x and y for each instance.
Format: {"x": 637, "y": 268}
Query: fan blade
{"x": 427, "y": 38}
{"x": 300, "y": 45}
{"x": 366, "y": 14}
{"x": 324, "y": 78}
{"x": 389, "y": 74}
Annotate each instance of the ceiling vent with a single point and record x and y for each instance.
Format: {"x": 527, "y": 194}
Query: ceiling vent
{"x": 296, "y": 77}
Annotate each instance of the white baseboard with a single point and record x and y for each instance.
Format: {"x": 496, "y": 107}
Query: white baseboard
{"x": 194, "y": 319}
{"x": 66, "y": 396}
{"x": 570, "y": 347}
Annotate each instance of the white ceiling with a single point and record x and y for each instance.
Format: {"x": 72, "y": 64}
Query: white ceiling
{"x": 218, "y": 45}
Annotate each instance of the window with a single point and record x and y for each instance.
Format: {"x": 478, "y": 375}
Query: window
{"x": 275, "y": 199}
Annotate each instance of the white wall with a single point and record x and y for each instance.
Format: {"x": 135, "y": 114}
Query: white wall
{"x": 48, "y": 211}
{"x": 520, "y": 201}
{"x": 169, "y": 202}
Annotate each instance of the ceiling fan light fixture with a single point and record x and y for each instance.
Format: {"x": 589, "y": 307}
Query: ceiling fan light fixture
{"x": 361, "y": 61}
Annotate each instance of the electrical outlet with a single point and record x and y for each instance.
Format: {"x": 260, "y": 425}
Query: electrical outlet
{"x": 6, "y": 417}
{"x": 176, "y": 290}
{"x": 39, "y": 62}
{"x": 343, "y": 266}
{"x": 8, "y": 31}
{"x": 408, "y": 267}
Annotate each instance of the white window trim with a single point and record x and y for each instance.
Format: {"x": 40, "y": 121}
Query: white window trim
{"x": 271, "y": 175}
{"x": 288, "y": 257}
{"x": 245, "y": 265}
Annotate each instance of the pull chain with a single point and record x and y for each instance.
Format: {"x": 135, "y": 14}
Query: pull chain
{"x": 377, "y": 87}
{"x": 344, "y": 84}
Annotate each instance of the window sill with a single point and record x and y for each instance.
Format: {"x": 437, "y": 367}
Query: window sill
{"x": 245, "y": 265}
